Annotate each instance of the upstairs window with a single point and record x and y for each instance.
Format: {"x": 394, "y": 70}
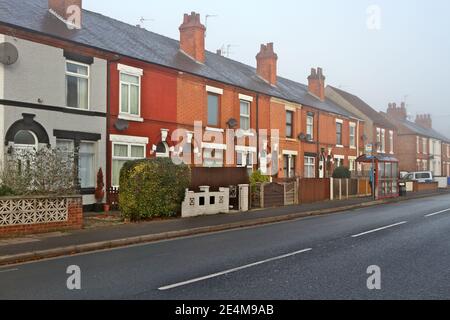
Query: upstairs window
{"x": 130, "y": 94}
{"x": 352, "y": 135}
{"x": 391, "y": 141}
{"x": 310, "y": 127}
{"x": 245, "y": 115}
{"x": 289, "y": 124}
{"x": 213, "y": 110}
{"x": 77, "y": 85}
{"x": 339, "y": 133}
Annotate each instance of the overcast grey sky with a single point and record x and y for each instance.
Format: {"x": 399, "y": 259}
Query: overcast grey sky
{"x": 405, "y": 52}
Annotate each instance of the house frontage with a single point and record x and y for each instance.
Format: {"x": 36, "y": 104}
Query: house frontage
{"x": 53, "y": 94}
{"x": 419, "y": 147}
{"x": 379, "y": 134}
{"x": 98, "y": 84}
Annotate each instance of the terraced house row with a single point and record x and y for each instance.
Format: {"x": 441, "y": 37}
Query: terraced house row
{"x": 117, "y": 92}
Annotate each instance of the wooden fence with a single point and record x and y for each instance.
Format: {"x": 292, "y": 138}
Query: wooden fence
{"x": 313, "y": 190}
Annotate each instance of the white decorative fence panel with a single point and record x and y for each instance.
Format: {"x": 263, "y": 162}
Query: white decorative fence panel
{"x": 205, "y": 202}
{"x": 33, "y": 211}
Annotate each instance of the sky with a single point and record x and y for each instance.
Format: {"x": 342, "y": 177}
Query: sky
{"x": 381, "y": 50}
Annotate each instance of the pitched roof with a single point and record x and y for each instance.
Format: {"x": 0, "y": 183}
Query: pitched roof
{"x": 111, "y": 35}
{"x": 363, "y": 107}
{"x": 427, "y": 132}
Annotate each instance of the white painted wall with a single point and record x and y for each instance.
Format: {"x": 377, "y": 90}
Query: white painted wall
{"x": 39, "y": 73}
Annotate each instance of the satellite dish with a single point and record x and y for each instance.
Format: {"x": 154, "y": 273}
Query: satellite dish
{"x": 232, "y": 123}
{"x": 302, "y": 136}
{"x": 121, "y": 125}
{"x": 8, "y": 53}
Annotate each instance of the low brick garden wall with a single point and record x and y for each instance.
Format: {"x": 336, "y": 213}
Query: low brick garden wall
{"x": 28, "y": 215}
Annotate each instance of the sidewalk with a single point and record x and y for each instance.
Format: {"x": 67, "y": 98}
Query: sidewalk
{"x": 57, "y": 244}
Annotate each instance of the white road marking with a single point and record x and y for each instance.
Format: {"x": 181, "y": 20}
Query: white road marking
{"x": 215, "y": 275}
{"x": 379, "y": 229}
{"x": 9, "y": 270}
{"x": 436, "y": 213}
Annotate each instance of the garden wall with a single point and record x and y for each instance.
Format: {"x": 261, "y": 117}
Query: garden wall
{"x": 27, "y": 215}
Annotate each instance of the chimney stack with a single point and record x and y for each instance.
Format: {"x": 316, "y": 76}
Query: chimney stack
{"x": 316, "y": 83}
{"x": 192, "y": 37}
{"x": 398, "y": 113}
{"x": 70, "y": 11}
{"x": 266, "y": 63}
{"x": 424, "y": 120}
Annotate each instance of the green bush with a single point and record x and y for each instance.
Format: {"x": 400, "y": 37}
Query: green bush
{"x": 258, "y": 177}
{"x": 152, "y": 188}
{"x": 6, "y": 191}
{"x": 342, "y": 173}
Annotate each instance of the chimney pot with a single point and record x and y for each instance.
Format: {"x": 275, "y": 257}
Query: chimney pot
{"x": 316, "y": 83}
{"x": 266, "y": 63}
{"x": 192, "y": 37}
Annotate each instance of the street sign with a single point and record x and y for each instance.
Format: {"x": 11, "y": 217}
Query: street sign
{"x": 369, "y": 149}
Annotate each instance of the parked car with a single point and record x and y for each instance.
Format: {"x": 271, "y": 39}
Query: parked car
{"x": 422, "y": 176}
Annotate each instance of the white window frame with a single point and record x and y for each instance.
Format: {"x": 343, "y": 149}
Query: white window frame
{"x": 424, "y": 146}
{"x": 341, "y": 122}
{"x": 352, "y": 163}
{"x": 307, "y": 164}
{"x": 132, "y": 72}
{"x": 95, "y": 144}
{"x": 77, "y": 75}
{"x": 391, "y": 141}
{"x": 379, "y": 140}
{"x": 310, "y": 125}
{"x": 246, "y": 155}
{"x": 418, "y": 144}
{"x": 352, "y": 126}
{"x": 383, "y": 140}
{"x": 129, "y": 157}
{"x": 248, "y": 116}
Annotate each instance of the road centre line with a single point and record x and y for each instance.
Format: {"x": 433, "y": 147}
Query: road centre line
{"x": 215, "y": 275}
{"x": 436, "y": 213}
{"x": 379, "y": 229}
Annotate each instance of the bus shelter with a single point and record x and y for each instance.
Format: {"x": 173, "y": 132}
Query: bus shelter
{"x": 385, "y": 174}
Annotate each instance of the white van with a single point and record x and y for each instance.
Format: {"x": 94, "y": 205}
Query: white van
{"x": 422, "y": 176}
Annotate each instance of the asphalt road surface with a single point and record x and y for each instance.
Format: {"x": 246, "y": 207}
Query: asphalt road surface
{"x": 323, "y": 257}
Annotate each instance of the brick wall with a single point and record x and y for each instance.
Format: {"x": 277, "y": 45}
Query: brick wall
{"x": 75, "y": 221}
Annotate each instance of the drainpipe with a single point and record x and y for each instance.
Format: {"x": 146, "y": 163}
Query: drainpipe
{"x": 108, "y": 122}
{"x": 257, "y": 131}
{"x": 318, "y": 149}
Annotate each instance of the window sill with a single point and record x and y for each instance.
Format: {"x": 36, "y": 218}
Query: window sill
{"x": 339, "y": 146}
{"x": 291, "y": 139}
{"x": 130, "y": 118}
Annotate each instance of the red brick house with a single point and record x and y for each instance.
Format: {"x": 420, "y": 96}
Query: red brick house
{"x": 157, "y": 85}
{"x": 419, "y": 147}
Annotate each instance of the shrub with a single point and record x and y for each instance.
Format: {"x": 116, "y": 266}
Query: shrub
{"x": 152, "y": 188}
{"x": 6, "y": 191}
{"x": 342, "y": 173}
{"x": 44, "y": 172}
{"x": 257, "y": 177}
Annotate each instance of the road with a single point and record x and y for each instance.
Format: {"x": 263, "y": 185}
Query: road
{"x": 324, "y": 257}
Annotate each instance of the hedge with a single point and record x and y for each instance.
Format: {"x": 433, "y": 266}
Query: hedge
{"x": 342, "y": 173}
{"x": 152, "y": 188}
